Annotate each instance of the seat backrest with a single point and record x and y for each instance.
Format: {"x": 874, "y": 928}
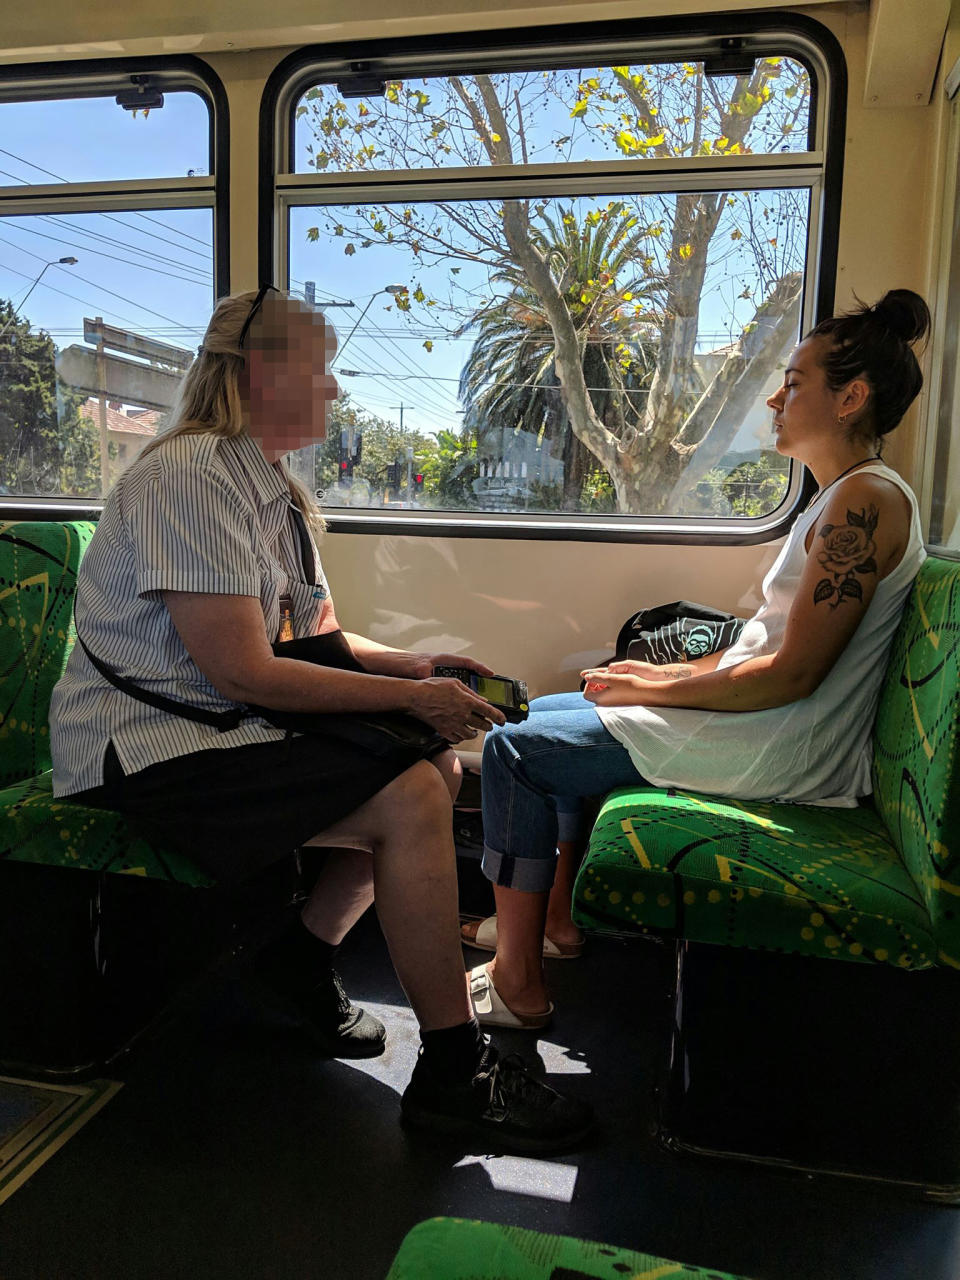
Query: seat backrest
{"x": 916, "y": 758}
{"x": 38, "y": 577}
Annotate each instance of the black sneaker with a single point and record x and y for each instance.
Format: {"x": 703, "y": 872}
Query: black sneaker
{"x": 341, "y": 1029}
{"x": 503, "y": 1104}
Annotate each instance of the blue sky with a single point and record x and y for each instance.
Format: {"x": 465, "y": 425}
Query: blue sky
{"x": 150, "y": 271}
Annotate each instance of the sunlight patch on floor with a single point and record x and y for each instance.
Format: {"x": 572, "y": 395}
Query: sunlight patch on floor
{"x": 523, "y": 1176}
{"x": 558, "y": 1059}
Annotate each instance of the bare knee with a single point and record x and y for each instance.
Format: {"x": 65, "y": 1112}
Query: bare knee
{"x": 418, "y": 797}
{"x": 447, "y": 764}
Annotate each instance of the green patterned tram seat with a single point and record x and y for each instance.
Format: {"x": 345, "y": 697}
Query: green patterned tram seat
{"x": 99, "y": 927}
{"x": 870, "y": 885}
{"x": 774, "y": 1054}
{"x": 457, "y": 1249}
{"x": 38, "y": 574}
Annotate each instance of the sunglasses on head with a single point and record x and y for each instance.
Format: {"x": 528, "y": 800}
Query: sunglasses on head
{"x": 257, "y": 304}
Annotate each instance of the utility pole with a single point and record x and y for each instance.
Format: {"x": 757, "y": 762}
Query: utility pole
{"x": 409, "y": 485}
{"x": 102, "y": 387}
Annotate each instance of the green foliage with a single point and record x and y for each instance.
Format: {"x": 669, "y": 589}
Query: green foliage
{"x": 385, "y": 444}
{"x": 751, "y": 488}
{"x": 509, "y": 378}
{"x": 45, "y": 446}
{"x": 449, "y": 471}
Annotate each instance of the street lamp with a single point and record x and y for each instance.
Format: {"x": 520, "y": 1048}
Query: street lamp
{"x": 54, "y": 262}
{"x": 390, "y": 288}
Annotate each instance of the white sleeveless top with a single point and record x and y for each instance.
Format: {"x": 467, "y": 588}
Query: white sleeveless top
{"x": 814, "y": 751}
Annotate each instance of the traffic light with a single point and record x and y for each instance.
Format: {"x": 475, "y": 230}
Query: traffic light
{"x": 345, "y": 469}
{"x": 358, "y": 449}
{"x": 393, "y": 473}
{"x": 418, "y": 482}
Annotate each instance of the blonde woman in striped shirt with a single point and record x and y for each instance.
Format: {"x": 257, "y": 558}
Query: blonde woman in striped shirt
{"x": 200, "y": 561}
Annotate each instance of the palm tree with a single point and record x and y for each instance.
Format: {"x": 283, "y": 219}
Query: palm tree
{"x": 509, "y": 381}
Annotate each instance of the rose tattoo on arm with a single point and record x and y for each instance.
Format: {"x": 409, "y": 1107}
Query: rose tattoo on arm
{"x": 848, "y": 550}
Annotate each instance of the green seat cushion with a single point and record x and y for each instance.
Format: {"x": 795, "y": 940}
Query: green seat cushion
{"x": 38, "y": 577}
{"x": 780, "y": 877}
{"x": 456, "y": 1249}
{"x": 34, "y": 827}
{"x": 916, "y": 762}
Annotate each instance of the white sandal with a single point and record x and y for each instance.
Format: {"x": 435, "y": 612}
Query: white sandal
{"x": 493, "y": 1012}
{"x": 485, "y": 939}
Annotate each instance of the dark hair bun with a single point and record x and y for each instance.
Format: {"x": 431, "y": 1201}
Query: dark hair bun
{"x": 904, "y": 313}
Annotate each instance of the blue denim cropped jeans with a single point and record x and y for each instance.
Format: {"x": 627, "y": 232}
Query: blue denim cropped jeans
{"x": 535, "y": 777}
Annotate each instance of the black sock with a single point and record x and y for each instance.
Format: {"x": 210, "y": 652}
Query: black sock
{"x": 297, "y": 959}
{"x": 453, "y": 1054}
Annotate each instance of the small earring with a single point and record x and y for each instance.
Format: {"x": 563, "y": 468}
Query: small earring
{"x": 841, "y": 421}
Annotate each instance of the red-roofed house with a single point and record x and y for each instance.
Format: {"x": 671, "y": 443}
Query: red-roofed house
{"x": 127, "y": 429}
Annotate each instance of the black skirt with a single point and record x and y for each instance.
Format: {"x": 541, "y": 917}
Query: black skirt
{"x": 234, "y": 811}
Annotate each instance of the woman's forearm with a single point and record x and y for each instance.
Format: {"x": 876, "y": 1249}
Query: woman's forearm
{"x": 695, "y": 667}
{"x": 287, "y": 684}
{"x": 754, "y": 685}
{"x": 363, "y": 647}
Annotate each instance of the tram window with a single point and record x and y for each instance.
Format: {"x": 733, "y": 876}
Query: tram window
{"x": 562, "y": 291}
{"x": 106, "y": 280}
{"x": 94, "y": 139}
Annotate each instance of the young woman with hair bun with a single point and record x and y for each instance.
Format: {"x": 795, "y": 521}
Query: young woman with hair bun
{"x": 783, "y": 714}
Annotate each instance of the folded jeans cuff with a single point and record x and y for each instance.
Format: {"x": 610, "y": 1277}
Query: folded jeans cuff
{"x": 530, "y": 875}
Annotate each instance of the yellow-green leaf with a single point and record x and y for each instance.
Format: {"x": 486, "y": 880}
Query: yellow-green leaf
{"x": 428, "y": 345}
{"x": 685, "y": 251}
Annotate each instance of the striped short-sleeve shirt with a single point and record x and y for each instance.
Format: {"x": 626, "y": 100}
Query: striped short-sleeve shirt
{"x": 198, "y": 513}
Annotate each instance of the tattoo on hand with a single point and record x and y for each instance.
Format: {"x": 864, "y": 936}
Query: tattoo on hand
{"x": 681, "y": 673}
{"x": 848, "y": 550}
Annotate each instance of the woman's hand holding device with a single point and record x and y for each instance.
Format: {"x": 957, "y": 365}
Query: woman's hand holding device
{"x": 452, "y": 709}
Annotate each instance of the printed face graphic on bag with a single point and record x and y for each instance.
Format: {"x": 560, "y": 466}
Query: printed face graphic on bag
{"x": 288, "y": 384}
{"x": 698, "y": 641}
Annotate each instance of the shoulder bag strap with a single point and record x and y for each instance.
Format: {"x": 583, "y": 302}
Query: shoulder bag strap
{"x": 221, "y": 720}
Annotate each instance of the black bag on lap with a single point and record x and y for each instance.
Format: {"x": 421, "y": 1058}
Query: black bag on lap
{"x": 677, "y": 632}
{"x": 380, "y": 732}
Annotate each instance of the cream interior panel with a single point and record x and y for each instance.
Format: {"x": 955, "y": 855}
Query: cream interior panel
{"x": 540, "y": 611}
{"x": 112, "y": 28}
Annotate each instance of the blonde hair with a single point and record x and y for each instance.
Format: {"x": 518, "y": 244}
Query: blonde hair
{"x": 209, "y": 398}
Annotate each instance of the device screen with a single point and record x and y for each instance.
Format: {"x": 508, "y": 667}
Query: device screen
{"x": 500, "y": 691}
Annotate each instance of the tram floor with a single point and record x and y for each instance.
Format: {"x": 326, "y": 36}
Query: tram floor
{"x": 233, "y": 1153}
